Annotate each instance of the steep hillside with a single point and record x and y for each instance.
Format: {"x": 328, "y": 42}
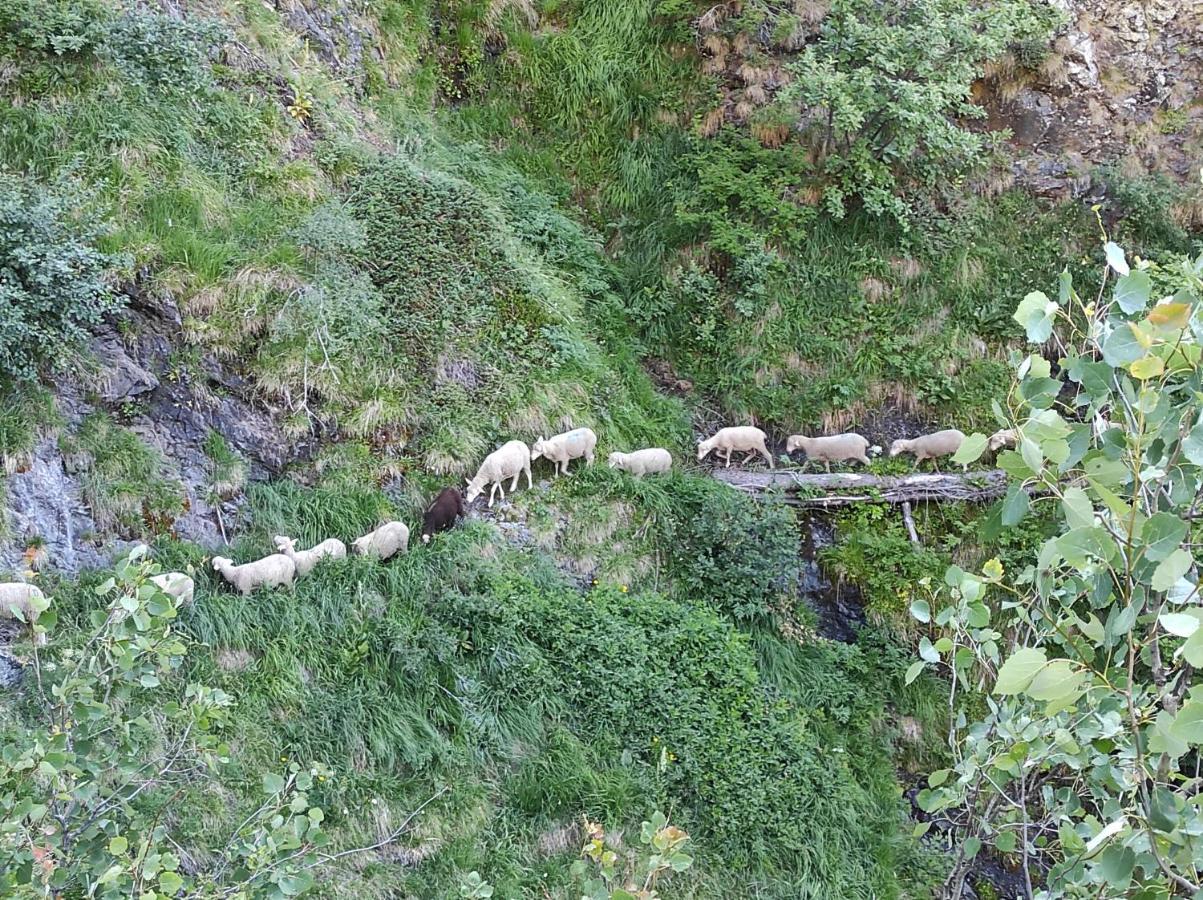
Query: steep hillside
{"x": 287, "y": 268}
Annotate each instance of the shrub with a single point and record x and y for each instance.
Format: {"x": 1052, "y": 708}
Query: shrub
{"x": 734, "y": 552}
{"x": 53, "y": 278}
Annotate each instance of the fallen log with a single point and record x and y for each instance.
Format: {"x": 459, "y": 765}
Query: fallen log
{"x": 840, "y": 489}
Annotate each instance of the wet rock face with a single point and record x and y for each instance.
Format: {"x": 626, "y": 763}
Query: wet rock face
{"x": 138, "y": 379}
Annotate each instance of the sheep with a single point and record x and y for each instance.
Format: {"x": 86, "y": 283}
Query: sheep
{"x": 745, "y": 439}
{"x": 833, "y": 448}
{"x": 930, "y": 446}
{"x": 1008, "y": 437}
{"x": 512, "y": 458}
{"x": 642, "y": 462}
{"x": 16, "y": 596}
{"x": 176, "y": 585}
{"x": 272, "y": 571}
{"x": 442, "y": 513}
{"x": 564, "y": 447}
{"x": 305, "y": 560}
{"x": 387, "y": 540}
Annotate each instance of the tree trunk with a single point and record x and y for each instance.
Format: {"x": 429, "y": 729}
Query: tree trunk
{"x": 841, "y": 489}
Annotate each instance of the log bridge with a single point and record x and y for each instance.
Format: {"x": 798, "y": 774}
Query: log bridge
{"x": 826, "y": 490}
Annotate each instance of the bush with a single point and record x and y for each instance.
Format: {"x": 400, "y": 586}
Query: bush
{"x": 734, "y": 552}
{"x": 53, "y": 279}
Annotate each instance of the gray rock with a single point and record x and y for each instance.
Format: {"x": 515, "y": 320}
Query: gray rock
{"x": 12, "y": 672}
{"x": 120, "y": 377}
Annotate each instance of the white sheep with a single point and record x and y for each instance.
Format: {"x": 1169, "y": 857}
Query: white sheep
{"x": 305, "y": 560}
{"x": 272, "y": 571}
{"x": 930, "y": 446}
{"x": 649, "y": 461}
{"x": 176, "y": 585}
{"x": 829, "y": 449}
{"x": 1008, "y": 437}
{"x": 17, "y": 596}
{"x": 744, "y": 438}
{"x": 510, "y": 459}
{"x": 564, "y": 447}
{"x": 387, "y": 540}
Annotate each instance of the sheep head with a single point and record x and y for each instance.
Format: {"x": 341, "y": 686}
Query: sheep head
{"x": 899, "y": 446}
{"x": 704, "y": 447}
{"x": 537, "y": 450}
{"x": 795, "y": 442}
{"x": 1000, "y": 439}
{"x": 221, "y": 562}
{"x": 476, "y": 487}
{"x": 284, "y": 544}
{"x": 613, "y": 460}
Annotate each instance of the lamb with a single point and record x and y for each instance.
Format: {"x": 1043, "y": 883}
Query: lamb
{"x": 564, "y": 447}
{"x": 1008, "y": 437}
{"x": 176, "y": 585}
{"x": 272, "y": 571}
{"x": 744, "y": 438}
{"x": 16, "y": 596}
{"x": 389, "y": 539}
{"x": 512, "y": 458}
{"x": 305, "y": 560}
{"x": 442, "y": 513}
{"x": 833, "y": 448}
{"x": 930, "y": 446}
{"x": 642, "y": 462}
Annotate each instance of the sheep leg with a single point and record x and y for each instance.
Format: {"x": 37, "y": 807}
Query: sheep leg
{"x": 514, "y": 483}
{"x": 565, "y": 472}
{"x": 728, "y": 458}
{"x": 528, "y": 481}
{"x": 827, "y": 466}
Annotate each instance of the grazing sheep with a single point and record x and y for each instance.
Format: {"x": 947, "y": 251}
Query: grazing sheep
{"x": 272, "y": 571}
{"x": 442, "y": 513}
{"x": 510, "y": 459}
{"x": 833, "y": 448}
{"x": 744, "y": 438}
{"x": 564, "y": 447}
{"x": 642, "y": 462}
{"x": 930, "y": 446}
{"x": 16, "y": 596}
{"x": 176, "y": 585}
{"x": 1008, "y": 437}
{"x": 385, "y": 541}
{"x": 305, "y": 560}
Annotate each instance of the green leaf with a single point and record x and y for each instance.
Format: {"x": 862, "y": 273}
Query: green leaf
{"x": 1161, "y": 535}
{"x": 921, "y": 611}
{"x": 914, "y": 669}
{"x": 1015, "y": 506}
{"x": 972, "y": 846}
{"x": 1006, "y": 842}
{"x": 295, "y": 883}
{"x": 1163, "y": 811}
{"x": 1079, "y": 511}
{"x": 1115, "y": 867}
{"x": 1032, "y": 457}
{"x": 1019, "y": 670}
{"x": 1170, "y": 569}
{"x": 1122, "y": 346}
{"x": 1147, "y": 367}
{"x": 1179, "y": 624}
{"x": 1133, "y": 290}
{"x": 927, "y": 651}
{"x": 971, "y": 449}
{"x": 118, "y": 846}
{"x": 1115, "y": 258}
{"x": 170, "y": 883}
{"x": 1057, "y": 681}
{"x": 273, "y": 783}
{"x": 938, "y": 777}
{"x": 1188, "y": 723}
{"x": 1192, "y": 446}
{"x": 1192, "y": 650}
{"x": 1035, "y": 315}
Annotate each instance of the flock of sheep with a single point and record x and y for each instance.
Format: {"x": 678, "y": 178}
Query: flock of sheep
{"x": 511, "y": 461}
